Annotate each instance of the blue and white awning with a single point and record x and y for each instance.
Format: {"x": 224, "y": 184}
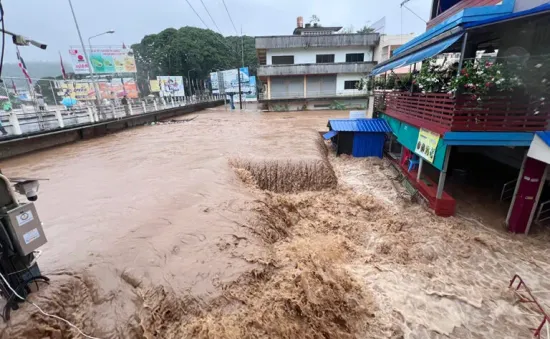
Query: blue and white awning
{"x": 415, "y": 57}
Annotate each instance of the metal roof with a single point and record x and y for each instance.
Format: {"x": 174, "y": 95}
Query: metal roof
{"x": 359, "y": 125}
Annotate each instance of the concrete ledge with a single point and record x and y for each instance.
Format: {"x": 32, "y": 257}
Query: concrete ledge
{"x": 22, "y": 144}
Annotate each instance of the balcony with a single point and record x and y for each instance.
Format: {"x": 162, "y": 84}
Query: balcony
{"x": 441, "y": 112}
{"x": 317, "y": 95}
{"x": 312, "y": 69}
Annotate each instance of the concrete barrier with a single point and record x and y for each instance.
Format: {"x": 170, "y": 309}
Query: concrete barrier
{"x": 30, "y": 142}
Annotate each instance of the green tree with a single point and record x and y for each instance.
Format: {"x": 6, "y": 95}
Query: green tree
{"x": 190, "y": 50}
{"x": 366, "y": 29}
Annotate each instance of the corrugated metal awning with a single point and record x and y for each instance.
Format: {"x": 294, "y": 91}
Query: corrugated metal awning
{"x": 329, "y": 134}
{"x": 360, "y": 125}
{"x": 420, "y": 55}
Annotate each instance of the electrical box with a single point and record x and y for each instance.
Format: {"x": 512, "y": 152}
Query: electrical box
{"x": 25, "y": 229}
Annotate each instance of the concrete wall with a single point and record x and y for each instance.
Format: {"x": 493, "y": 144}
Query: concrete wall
{"x": 308, "y": 55}
{"x": 29, "y": 143}
{"x": 310, "y": 69}
{"x": 390, "y": 40}
{"x": 342, "y": 78}
{"x": 313, "y": 104}
{"x": 335, "y": 40}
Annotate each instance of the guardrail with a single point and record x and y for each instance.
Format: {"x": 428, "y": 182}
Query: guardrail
{"x": 19, "y": 122}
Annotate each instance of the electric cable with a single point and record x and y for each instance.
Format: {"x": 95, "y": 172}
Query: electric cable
{"x": 230, "y": 18}
{"x": 44, "y": 313}
{"x": 211, "y": 18}
{"x": 418, "y": 16}
{"x": 204, "y": 23}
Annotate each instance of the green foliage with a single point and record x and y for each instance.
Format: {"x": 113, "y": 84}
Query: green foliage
{"x": 336, "y": 105}
{"x": 201, "y": 51}
{"x": 366, "y": 29}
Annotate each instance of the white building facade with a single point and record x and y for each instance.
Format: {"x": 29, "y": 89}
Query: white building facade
{"x": 315, "y": 68}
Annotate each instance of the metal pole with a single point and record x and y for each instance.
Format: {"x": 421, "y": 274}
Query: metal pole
{"x": 90, "y": 68}
{"x": 443, "y": 173}
{"x": 420, "y": 163}
{"x": 462, "y": 52}
{"x": 240, "y": 92}
{"x": 7, "y": 93}
{"x": 242, "y": 47}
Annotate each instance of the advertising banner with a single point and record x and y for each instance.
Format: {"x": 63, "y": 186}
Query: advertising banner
{"x": 231, "y": 83}
{"x": 427, "y": 144}
{"x": 171, "y": 86}
{"x": 104, "y": 60}
{"x": 83, "y": 91}
{"x": 154, "y": 86}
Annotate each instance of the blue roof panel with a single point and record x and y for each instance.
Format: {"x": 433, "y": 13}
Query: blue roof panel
{"x": 360, "y": 125}
{"x": 545, "y": 136}
{"x": 533, "y": 11}
{"x": 329, "y": 134}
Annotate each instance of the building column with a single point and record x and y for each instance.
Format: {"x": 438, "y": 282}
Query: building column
{"x": 268, "y": 88}
{"x": 516, "y": 188}
{"x": 443, "y": 173}
{"x": 420, "y": 163}
{"x": 535, "y": 205}
{"x": 305, "y": 86}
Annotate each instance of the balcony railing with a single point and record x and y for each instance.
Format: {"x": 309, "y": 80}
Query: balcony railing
{"x": 314, "y": 95}
{"x": 309, "y": 69}
{"x": 442, "y": 112}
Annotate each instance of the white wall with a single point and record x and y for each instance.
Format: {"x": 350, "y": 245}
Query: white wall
{"x": 388, "y": 40}
{"x": 308, "y": 55}
{"x": 341, "y": 78}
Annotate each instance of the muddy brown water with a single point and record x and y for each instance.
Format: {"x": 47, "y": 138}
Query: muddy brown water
{"x": 154, "y": 203}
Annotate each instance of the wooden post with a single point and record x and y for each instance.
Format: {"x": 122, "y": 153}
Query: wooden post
{"x": 443, "y": 173}
{"x": 420, "y": 163}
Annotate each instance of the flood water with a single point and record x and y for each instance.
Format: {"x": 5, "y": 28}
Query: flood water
{"x": 239, "y": 225}
{"x": 156, "y": 202}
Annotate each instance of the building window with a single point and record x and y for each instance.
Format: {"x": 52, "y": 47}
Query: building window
{"x": 355, "y": 57}
{"x": 325, "y": 58}
{"x": 351, "y": 84}
{"x": 282, "y": 60}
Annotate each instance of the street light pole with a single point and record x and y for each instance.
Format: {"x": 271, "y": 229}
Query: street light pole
{"x": 90, "y": 68}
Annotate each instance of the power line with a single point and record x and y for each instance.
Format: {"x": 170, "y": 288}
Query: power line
{"x": 211, "y": 18}
{"x": 410, "y": 10}
{"x": 231, "y": 19}
{"x": 204, "y": 23}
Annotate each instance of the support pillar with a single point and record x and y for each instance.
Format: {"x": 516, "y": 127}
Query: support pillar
{"x": 443, "y": 173}
{"x": 60, "y": 118}
{"x": 516, "y": 188}
{"x": 130, "y": 109}
{"x": 539, "y": 192}
{"x": 144, "y": 107}
{"x": 113, "y": 110}
{"x": 305, "y": 86}
{"x": 90, "y": 114}
{"x": 172, "y": 101}
{"x": 269, "y": 88}
{"x": 14, "y": 121}
{"x": 420, "y": 163}
{"x": 155, "y": 105}
{"x": 164, "y": 103}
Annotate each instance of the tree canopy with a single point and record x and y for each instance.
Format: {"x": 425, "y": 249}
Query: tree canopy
{"x": 190, "y": 50}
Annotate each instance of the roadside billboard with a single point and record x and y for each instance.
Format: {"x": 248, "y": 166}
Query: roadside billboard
{"x": 231, "y": 83}
{"x": 171, "y": 86}
{"x": 84, "y": 91}
{"x": 154, "y": 86}
{"x": 105, "y": 60}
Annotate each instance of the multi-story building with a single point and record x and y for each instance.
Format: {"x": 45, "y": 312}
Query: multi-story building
{"x": 484, "y": 141}
{"x": 315, "y": 67}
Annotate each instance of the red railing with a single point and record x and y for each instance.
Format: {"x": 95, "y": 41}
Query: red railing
{"x": 442, "y": 112}
{"x": 526, "y": 296}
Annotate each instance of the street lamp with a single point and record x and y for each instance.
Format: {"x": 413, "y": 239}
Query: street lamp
{"x": 90, "y": 69}
{"x": 100, "y": 34}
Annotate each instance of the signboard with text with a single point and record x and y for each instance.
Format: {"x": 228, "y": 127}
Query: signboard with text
{"x": 171, "y": 86}
{"x": 426, "y": 144}
{"x": 231, "y": 83}
{"x": 105, "y": 60}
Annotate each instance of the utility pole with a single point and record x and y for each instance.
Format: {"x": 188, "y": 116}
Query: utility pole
{"x": 242, "y": 46}
{"x": 240, "y": 92}
{"x": 90, "y": 68}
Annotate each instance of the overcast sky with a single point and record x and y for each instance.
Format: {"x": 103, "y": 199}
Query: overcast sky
{"x": 50, "y": 21}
